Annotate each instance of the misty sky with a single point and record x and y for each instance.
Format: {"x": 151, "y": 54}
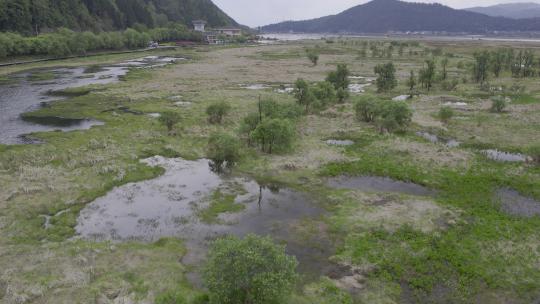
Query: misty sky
{"x": 263, "y": 12}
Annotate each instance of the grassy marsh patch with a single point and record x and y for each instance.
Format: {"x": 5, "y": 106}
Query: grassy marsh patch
{"x": 41, "y": 76}
{"x": 457, "y": 244}
{"x": 220, "y": 202}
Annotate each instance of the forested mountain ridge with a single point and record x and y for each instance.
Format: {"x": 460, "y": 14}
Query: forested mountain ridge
{"x": 37, "y": 16}
{"x": 510, "y": 10}
{"x": 381, "y": 16}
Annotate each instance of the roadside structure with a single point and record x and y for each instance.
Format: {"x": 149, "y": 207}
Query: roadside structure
{"x": 229, "y": 31}
{"x": 199, "y": 25}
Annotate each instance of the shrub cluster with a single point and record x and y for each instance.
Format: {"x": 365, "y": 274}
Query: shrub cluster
{"x": 65, "y": 42}
{"x": 223, "y": 150}
{"x": 250, "y": 270}
{"x": 272, "y": 128}
{"x": 389, "y": 116}
{"x": 217, "y": 111}
{"x": 498, "y": 104}
{"x": 445, "y": 114}
{"x": 318, "y": 96}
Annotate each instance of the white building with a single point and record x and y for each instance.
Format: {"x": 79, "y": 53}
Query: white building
{"x": 199, "y": 25}
{"x": 229, "y": 31}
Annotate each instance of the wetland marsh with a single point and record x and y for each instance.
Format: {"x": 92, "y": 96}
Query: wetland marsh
{"x": 124, "y": 212}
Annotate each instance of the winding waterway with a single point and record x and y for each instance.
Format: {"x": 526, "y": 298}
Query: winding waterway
{"x": 29, "y": 90}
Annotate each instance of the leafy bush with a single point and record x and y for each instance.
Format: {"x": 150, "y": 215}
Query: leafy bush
{"x": 395, "y": 116}
{"x": 288, "y": 110}
{"x": 325, "y": 92}
{"x": 170, "y": 119}
{"x": 445, "y": 114}
{"x": 342, "y": 95}
{"x": 272, "y": 109}
{"x": 217, "y": 111}
{"x": 250, "y": 270}
{"x": 340, "y": 77}
{"x": 274, "y": 135}
{"x": 498, "y": 104}
{"x": 386, "y": 77}
{"x": 313, "y": 56}
{"x": 303, "y": 94}
{"x": 367, "y": 108}
{"x": 249, "y": 124}
{"x": 223, "y": 149}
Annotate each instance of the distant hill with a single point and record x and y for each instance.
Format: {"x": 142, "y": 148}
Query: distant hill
{"x": 381, "y": 16}
{"x": 31, "y": 16}
{"x": 510, "y": 10}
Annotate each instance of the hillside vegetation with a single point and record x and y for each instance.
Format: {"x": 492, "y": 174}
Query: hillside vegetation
{"x": 37, "y": 16}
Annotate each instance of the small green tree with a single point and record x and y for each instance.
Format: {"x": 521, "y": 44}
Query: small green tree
{"x": 394, "y": 116}
{"x": 252, "y": 270}
{"x": 169, "y": 119}
{"x": 497, "y": 59}
{"x": 340, "y": 77}
{"x": 445, "y": 114}
{"x": 313, "y": 56}
{"x": 217, "y": 111}
{"x": 481, "y": 65}
{"x": 274, "y": 134}
{"x": 268, "y": 107}
{"x": 325, "y": 93}
{"x": 248, "y": 125}
{"x": 444, "y": 65}
{"x": 223, "y": 150}
{"x": 367, "y": 108}
{"x": 498, "y": 104}
{"x": 427, "y": 74}
{"x": 342, "y": 95}
{"x": 411, "y": 82}
{"x": 304, "y": 94}
{"x": 386, "y": 77}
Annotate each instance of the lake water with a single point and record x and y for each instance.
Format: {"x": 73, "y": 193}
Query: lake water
{"x": 312, "y": 36}
{"x": 450, "y": 143}
{"x": 337, "y": 142}
{"x": 25, "y": 92}
{"x": 512, "y": 202}
{"x": 502, "y": 156}
{"x": 170, "y": 206}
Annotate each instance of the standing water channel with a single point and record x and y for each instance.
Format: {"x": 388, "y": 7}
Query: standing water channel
{"x": 171, "y": 206}
{"x": 30, "y": 90}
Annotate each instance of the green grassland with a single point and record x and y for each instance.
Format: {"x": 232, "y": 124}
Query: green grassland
{"x": 454, "y": 247}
